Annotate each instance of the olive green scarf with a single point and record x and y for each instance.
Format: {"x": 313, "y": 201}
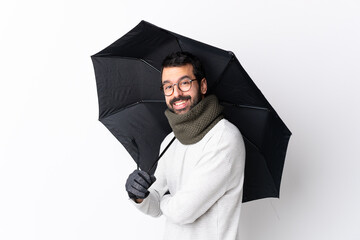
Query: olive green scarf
{"x": 193, "y": 125}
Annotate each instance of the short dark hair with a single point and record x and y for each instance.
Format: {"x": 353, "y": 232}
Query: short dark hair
{"x": 178, "y": 59}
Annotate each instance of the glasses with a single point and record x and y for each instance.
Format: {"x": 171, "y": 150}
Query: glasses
{"x": 184, "y": 85}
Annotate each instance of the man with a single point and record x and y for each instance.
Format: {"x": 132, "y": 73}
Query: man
{"x": 199, "y": 179}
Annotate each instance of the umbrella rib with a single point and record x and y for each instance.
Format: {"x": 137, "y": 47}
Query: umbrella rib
{"x": 148, "y": 64}
{"x": 176, "y": 39}
{"x": 133, "y": 104}
{"x": 244, "y": 106}
{"x": 253, "y": 144}
{"x": 110, "y": 56}
{"x": 252, "y": 107}
{"x": 259, "y": 152}
{"x": 226, "y": 67}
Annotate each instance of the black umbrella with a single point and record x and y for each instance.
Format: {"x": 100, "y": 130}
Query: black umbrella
{"x": 132, "y": 107}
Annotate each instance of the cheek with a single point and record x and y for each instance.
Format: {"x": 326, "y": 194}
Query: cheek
{"x": 167, "y": 100}
{"x": 195, "y": 93}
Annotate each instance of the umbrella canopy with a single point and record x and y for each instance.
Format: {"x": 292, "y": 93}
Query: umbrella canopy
{"x": 132, "y": 107}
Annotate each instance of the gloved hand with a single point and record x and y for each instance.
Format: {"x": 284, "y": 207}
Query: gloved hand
{"x": 138, "y": 183}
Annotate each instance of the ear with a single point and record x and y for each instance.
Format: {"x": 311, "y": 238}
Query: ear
{"x": 203, "y": 86}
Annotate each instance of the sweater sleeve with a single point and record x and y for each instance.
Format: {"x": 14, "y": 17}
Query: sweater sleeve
{"x": 151, "y": 204}
{"x": 218, "y": 170}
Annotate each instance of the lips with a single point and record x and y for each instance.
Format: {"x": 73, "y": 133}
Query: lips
{"x": 179, "y": 99}
{"x": 179, "y": 104}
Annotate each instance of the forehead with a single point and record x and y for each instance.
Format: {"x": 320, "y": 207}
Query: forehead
{"x": 173, "y": 74}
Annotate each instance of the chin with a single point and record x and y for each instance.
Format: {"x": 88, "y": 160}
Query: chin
{"x": 180, "y": 111}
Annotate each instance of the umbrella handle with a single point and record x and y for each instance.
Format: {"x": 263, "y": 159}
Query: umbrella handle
{"x": 162, "y": 153}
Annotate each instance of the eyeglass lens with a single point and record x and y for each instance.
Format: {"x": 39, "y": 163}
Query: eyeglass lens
{"x": 184, "y": 85}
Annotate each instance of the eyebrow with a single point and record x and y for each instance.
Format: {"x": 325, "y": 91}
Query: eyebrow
{"x": 181, "y": 78}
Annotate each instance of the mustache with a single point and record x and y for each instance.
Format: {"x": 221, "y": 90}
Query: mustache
{"x": 179, "y": 99}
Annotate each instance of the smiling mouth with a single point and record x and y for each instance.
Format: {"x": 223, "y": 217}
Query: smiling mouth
{"x": 179, "y": 103}
{"x": 179, "y": 100}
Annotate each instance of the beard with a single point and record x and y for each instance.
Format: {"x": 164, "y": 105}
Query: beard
{"x": 195, "y": 101}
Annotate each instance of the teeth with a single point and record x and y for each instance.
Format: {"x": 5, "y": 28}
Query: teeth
{"x": 178, "y": 103}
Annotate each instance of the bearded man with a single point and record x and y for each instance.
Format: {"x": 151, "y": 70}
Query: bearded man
{"x": 199, "y": 180}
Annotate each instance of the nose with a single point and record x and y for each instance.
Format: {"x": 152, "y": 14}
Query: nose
{"x": 177, "y": 91}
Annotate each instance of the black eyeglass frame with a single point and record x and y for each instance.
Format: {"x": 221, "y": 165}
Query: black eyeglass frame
{"x": 190, "y": 80}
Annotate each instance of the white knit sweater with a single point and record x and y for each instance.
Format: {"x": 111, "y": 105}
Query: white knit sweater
{"x": 205, "y": 181}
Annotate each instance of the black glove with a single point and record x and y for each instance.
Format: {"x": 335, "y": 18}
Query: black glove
{"x": 138, "y": 183}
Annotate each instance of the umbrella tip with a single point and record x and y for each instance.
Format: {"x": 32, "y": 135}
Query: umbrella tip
{"x": 231, "y": 53}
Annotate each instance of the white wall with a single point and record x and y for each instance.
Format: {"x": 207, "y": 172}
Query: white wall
{"x": 62, "y": 173}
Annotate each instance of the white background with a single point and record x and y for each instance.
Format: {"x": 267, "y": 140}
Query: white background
{"x": 62, "y": 173}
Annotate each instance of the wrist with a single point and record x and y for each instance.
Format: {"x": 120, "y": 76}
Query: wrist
{"x": 138, "y": 200}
